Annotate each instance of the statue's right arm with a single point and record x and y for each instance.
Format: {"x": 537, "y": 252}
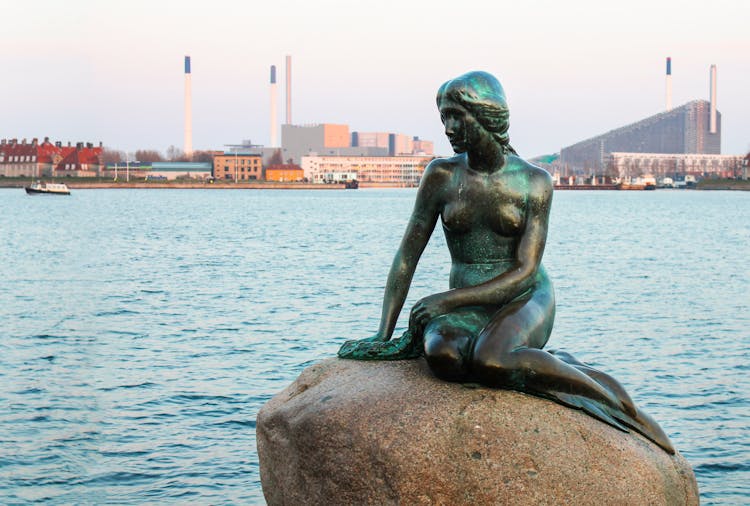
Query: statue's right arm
{"x": 417, "y": 234}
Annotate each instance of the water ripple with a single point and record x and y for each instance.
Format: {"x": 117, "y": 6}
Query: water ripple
{"x": 134, "y": 374}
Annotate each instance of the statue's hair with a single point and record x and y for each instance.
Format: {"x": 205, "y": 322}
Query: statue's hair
{"x": 483, "y": 96}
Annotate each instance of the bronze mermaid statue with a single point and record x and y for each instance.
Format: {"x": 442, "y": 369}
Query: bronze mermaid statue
{"x": 492, "y": 323}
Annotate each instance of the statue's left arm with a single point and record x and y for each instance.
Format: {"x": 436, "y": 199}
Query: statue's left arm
{"x": 519, "y": 277}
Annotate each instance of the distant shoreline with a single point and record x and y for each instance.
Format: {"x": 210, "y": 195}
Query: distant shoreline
{"x": 167, "y": 185}
{"x": 77, "y": 184}
{"x": 724, "y": 184}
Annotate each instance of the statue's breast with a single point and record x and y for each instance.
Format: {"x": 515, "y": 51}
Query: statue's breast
{"x": 458, "y": 216}
{"x": 474, "y": 214}
{"x": 509, "y": 219}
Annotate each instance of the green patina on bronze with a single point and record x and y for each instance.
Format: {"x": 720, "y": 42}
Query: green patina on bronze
{"x": 492, "y": 323}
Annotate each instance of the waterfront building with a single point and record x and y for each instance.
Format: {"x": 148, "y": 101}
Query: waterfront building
{"x": 682, "y": 130}
{"x": 83, "y": 161}
{"x": 179, "y": 170}
{"x": 336, "y": 177}
{"x": 629, "y": 166}
{"x": 34, "y": 159}
{"x": 238, "y": 166}
{"x": 168, "y": 171}
{"x": 399, "y": 170}
{"x": 284, "y": 173}
{"x": 125, "y": 171}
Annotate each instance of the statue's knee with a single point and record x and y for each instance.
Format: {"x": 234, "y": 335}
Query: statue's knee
{"x": 446, "y": 360}
{"x": 494, "y": 369}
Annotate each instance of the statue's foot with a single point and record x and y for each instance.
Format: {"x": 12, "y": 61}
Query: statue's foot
{"x": 649, "y": 428}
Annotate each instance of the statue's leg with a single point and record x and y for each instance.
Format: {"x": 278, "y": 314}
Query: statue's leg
{"x": 449, "y": 339}
{"x": 636, "y": 419}
{"x": 600, "y": 377}
{"x": 508, "y": 353}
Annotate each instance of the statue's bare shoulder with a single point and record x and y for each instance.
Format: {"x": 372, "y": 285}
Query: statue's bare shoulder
{"x": 539, "y": 180}
{"x": 443, "y": 167}
{"x": 438, "y": 175}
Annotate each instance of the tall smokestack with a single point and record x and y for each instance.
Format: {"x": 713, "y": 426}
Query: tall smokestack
{"x": 188, "y": 110}
{"x": 288, "y": 90}
{"x": 274, "y": 103}
{"x": 669, "y": 83}
{"x": 712, "y": 128}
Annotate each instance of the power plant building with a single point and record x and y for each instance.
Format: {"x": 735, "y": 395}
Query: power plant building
{"x": 396, "y": 144}
{"x": 682, "y": 130}
{"x": 323, "y": 139}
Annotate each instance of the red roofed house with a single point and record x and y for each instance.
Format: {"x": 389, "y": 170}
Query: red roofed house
{"x": 81, "y": 161}
{"x": 41, "y": 160}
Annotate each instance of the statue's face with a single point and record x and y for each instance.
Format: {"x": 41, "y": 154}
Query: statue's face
{"x": 461, "y": 127}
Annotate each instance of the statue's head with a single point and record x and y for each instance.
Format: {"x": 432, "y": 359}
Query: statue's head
{"x": 482, "y": 95}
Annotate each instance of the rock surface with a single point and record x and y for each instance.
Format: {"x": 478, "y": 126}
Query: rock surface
{"x": 349, "y": 432}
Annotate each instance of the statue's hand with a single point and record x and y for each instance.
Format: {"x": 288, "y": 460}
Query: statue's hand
{"x": 426, "y": 309}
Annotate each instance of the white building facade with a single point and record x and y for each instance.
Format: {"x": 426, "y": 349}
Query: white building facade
{"x": 627, "y": 166}
{"x": 400, "y": 170}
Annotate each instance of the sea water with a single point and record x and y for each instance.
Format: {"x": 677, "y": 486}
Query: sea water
{"x": 142, "y": 330}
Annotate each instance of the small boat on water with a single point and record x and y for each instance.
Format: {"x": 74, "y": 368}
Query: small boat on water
{"x": 40, "y": 188}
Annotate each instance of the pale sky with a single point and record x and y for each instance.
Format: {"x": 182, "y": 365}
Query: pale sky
{"x": 80, "y": 70}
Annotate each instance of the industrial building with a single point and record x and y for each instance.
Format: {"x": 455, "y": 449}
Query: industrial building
{"x": 396, "y": 144}
{"x": 321, "y": 139}
{"x": 691, "y": 129}
{"x": 683, "y": 130}
{"x": 328, "y": 139}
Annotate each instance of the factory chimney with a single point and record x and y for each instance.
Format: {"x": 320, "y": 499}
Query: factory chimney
{"x": 188, "y": 111}
{"x": 669, "y": 83}
{"x": 288, "y": 90}
{"x": 712, "y": 127}
{"x": 274, "y": 102}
